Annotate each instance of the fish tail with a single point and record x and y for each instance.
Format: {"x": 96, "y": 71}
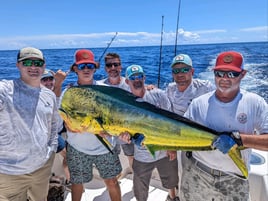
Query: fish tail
{"x": 235, "y": 155}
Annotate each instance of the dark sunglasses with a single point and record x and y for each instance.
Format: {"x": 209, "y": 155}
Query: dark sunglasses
{"x": 110, "y": 65}
{"x": 30, "y": 62}
{"x": 229, "y": 74}
{"x": 181, "y": 70}
{"x": 84, "y": 65}
{"x": 45, "y": 79}
{"x": 134, "y": 77}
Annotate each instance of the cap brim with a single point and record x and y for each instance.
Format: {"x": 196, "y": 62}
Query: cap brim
{"x": 85, "y": 61}
{"x": 230, "y": 68}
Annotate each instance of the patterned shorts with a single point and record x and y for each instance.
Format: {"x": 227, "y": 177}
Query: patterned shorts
{"x": 81, "y": 165}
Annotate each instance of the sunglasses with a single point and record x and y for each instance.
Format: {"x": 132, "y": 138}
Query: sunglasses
{"x": 110, "y": 65}
{"x": 84, "y": 65}
{"x": 30, "y": 62}
{"x": 45, "y": 79}
{"x": 134, "y": 77}
{"x": 181, "y": 70}
{"x": 229, "y": 74}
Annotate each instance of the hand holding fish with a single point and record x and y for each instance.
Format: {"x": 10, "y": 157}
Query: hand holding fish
{"x": 104, "y": 134}
{"x": 224, "y": 143}
{"x": 172, "y": 155}
{"x": 125, "y": 137}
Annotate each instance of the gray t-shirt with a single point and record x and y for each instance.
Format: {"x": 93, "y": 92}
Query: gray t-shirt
{"x": 28, "y": 127}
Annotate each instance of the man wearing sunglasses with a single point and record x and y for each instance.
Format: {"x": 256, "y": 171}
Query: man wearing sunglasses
{"x": 113, "y": 69}
{"x": 49, "y": 81}
{"x": 241, "y": 117}
{"x": 85, "y": 149}
{"x": 28, "y": 130}
{"x": 144, "y": 163}
{"x": 184, "y": 88}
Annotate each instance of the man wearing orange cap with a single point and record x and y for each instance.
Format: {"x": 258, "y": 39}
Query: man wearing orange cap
{"x": 241, "y": 117}
{"x": 85, "y": 149}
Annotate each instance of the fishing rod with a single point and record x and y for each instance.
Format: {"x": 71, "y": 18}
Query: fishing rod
{"x": 160, "y": 56}
{"x": 178, "y": 19}
{"x": 108, "y": 45}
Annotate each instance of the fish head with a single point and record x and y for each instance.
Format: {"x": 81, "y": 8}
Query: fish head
{"x": 79, "y": 109}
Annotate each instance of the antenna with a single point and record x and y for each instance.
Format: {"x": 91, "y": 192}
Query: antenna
{"x": 178, "y": 19}
{"x": 108, "y": 45}
{"x": 160, "y": 56}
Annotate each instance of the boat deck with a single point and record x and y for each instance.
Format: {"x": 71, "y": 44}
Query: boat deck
{"x": 96, "y": 190}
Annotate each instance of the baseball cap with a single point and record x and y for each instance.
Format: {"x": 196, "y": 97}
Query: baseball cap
{"x": 47, "y": 73}
{"x": 84, "y": 56}
{"x": 29, "y": 52}
{"x": 230, "y": 60}
{"x": 133, "y": 69}
{"x": 182, "y": 58}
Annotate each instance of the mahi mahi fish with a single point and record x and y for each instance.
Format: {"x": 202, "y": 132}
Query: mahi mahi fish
{"x": 94, "y": 108}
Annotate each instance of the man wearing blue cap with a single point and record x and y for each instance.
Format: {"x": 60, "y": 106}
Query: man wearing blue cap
{"x": 144, "y": 163}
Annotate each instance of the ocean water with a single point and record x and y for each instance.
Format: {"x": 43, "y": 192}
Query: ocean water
{"x": 157, "y": 69}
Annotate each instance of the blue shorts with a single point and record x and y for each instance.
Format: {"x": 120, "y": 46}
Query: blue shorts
{"x": 61, "y": 143}
{"x": 81, "y": 165}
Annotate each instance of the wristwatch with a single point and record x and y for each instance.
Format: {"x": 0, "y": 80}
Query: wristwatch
{"x": 236, "y": 136}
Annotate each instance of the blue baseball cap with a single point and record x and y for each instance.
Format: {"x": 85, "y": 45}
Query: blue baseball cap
{"x": 47, "y": 73}
{"x": 133, "y": 69}
{"x": 182, "y": 58}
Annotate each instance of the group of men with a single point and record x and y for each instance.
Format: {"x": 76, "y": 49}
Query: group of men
{"x": 26, "y": 160}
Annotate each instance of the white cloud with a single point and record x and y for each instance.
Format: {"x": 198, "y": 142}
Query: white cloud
{"x": 127, "y": 38}
{"x": 255, "y": 29}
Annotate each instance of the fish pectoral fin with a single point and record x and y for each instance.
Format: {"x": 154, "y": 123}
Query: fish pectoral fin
{"x": 150, "y": 149}
{"x": 236, "y": 156}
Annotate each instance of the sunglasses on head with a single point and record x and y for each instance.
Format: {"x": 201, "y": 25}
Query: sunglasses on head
{"x": 30, "y": 62}
{"x": 84, "y": 65}
{"x": 134, "y": 77}
{"x": 45, "y": 79}
{"x": 229, "y": 74}
{"x": 110, "y": 65}
{"x": 181, "y": 70}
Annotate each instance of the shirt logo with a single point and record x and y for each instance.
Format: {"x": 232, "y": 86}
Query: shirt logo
{"x": 242, "y": 118}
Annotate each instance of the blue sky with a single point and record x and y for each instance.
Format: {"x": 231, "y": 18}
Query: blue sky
{"x": 49, "y": 24}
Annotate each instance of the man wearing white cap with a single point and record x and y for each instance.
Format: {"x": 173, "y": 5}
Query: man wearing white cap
{"x": 28, "y": 131}
{"x": 242, "y": 118}
{"x": 184, "y": 88}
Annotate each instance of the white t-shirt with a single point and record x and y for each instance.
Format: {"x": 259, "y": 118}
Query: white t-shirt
{"x": 121, "y": 85}
{"x": 181, "y": 100}
{"x": 246, "y": 113}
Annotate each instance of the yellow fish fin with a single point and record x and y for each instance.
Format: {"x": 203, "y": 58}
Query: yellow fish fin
{"x": 235, "y": 155}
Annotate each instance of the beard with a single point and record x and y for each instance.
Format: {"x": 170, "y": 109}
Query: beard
{"x": 227, "y": 86}
{"x": 138, "y": 84}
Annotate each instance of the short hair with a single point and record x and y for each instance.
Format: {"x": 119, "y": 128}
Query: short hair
{"x": 112, "y": 55}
